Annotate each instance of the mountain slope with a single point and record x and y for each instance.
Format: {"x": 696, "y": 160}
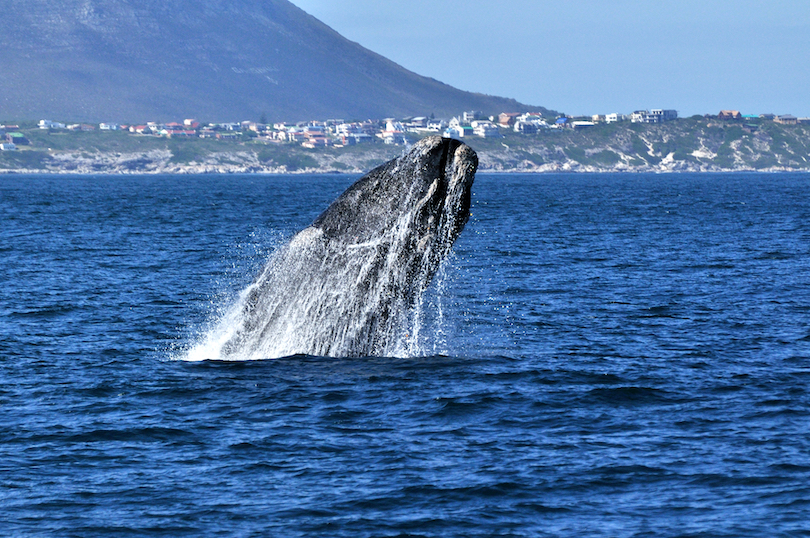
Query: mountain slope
{"x": 138, "y": 60}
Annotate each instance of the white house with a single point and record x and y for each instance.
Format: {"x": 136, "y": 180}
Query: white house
{"x": 48, "y": 124}
{"x": 454, "y": 132}
{"x": 436, "y": 125}
{"x": 525, "y": 127}
{"x": 656, "y": 115}
{"x": 486, "y": 129}
{"x": 663, "y": 115}
{"x": 471, "y": 116}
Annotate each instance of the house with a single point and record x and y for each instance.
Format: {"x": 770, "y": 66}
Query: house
{"x": 177, "y": 133}
{"x": 8, "y": 147}
{"x": 579, "y": 125}
{"x": 346, "y": 129}
{"x": 436, "y": 125}
{"x": 108, "y": 126}
{"x": 664, "y": 114}
{"x": 485, "y": 129}
{"x": 355, "y": 138}
{"x": 393, "y": 137}
{"x": 351, "y": 134}
{"x": 768, "y": 116}
{"x": 315, "y": 141}
{"x": 803, "y": 121}
{"x": 393, "y": 133}
{"x": 525, "y": 127}
{"x": 293, "y": 134}
{"x": 562, "y": 123}
{"x": 418, "y": 123}
{"x": 507, "y": 119}
{"x": 454, "y": 132}
{"x": 639, "y": 116}
{"x": 728, "y": 115}
{"x": 394, "y": 127}
{"x": 370, "y": 127}
{"x": 48, "y": 124}
{"x": 315, "y": 137}
{"x": 470, "y": 116}
{"x": 613, "y": 118}
{"x": 18, "y": 139}
{"x": 656, "y": 115}
{"x": 226, "y": 127}
{"x": 534, "y": 118}
{"x": 787, "y": 119}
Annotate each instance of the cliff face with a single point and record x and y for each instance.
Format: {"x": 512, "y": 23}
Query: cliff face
{"x": 224, "y": 60}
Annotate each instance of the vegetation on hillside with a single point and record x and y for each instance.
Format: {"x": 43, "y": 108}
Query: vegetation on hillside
{"x": 689, "y": 144}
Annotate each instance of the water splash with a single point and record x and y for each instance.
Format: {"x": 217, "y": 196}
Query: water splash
{"x": 354, "y": 283}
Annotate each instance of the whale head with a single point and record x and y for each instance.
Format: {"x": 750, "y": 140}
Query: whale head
{"x": 425, "y": 195}
{"x": 347, "y": 284}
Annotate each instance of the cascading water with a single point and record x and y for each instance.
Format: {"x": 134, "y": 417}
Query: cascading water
{"x": 352, "y": 283}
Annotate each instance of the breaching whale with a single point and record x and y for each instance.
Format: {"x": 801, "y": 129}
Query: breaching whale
{"x": 346, "y": 285}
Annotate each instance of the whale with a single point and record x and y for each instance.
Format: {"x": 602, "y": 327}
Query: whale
{"x": 348, "y": 284}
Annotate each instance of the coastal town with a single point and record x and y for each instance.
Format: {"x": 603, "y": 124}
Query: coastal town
{"x": 654, "y": 140}
{"x": 339, "y": 133}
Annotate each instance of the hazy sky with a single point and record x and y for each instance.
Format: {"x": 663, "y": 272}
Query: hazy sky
{"x": 596, "y": 56}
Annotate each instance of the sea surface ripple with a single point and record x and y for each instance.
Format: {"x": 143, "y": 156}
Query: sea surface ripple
{"x": 609, "y": 355}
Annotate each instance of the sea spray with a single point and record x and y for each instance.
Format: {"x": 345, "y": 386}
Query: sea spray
{"x": 352, "y": 283}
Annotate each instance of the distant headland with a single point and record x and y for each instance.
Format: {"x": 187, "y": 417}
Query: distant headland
{"x": 645, "y": 141}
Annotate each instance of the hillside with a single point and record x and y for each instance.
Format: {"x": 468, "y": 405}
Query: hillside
{"x": 687, "y": 144}
{"x": 225, "y": 60}
{"x": 682, "y": 145}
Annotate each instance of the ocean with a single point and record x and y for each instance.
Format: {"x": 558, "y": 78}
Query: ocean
{"x": 605, "y": 355}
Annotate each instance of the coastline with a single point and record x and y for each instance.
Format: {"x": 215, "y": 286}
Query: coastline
{"x": 690, "y": 145}
{"x": 106, "y": 165}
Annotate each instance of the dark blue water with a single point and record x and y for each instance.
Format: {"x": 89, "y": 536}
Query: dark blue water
{"x": 622, "y": 355}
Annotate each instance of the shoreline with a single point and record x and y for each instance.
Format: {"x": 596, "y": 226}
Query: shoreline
{"x": 684, "y": 145}
{"x": 192, "y": 171}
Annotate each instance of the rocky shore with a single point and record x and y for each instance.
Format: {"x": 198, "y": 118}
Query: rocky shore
{"x": 687, "y": 145}
{"x": 160, "y": 162}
